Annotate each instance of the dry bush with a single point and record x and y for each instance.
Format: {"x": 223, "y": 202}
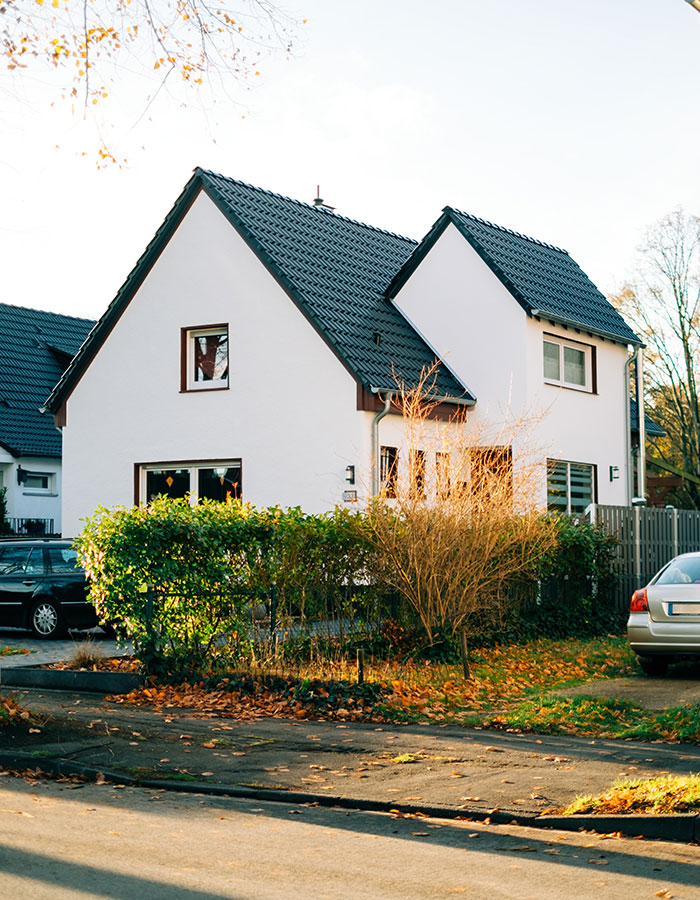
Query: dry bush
{"x": 460, "y": 522}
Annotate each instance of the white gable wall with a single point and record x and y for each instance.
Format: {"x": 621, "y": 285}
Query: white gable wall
{"x": 466, "y": 314}
{"x": 290, "y": 413}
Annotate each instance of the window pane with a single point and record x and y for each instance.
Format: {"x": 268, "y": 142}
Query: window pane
{"x": 442, "y": 475}
{"x": 581, "y": 479}
{"x": 13, "y": 559}
{"x": 389, "y": 470}
{"x": 551, "y": 360}
{"x": 557, "y": 474}
{"x": 416, "y": 464}
{"x": 171, "y": 482}
{"x": 211, "y": 357}
{"x": 574, "y": 366}
{"x": 35, "y": 566}
{"x": 63, "y": 559}
{"x": 36, "y": 482}
{"x": 220, "y": 483}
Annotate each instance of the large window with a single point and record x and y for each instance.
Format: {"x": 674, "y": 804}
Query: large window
{"x": 201, "y": 480}
{"x": 570, "y": 486}
{"x": 205, "y": 358}
{"x": 568, "y": 363}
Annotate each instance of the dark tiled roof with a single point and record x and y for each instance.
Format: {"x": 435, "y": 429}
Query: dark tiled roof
{"x": 540, "y": 276}
{"x": 652, "y": 429}
{"x": 337, "y": 270}
{"x": 35, "y": 348}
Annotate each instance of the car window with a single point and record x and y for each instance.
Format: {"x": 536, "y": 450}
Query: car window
{"x": 680, "y": 571}
{"x": 63, "y": 559}
{"x": 13, "y": 559}
{"x": 35, "y": 564}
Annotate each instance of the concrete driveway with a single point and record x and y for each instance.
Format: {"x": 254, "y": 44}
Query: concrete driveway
{"x": 679, "y": 687}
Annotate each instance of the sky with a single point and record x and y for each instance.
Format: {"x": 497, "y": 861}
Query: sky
{"x": 577, "y": 124}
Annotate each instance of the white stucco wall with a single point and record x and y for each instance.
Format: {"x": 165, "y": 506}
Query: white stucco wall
{"x": 290, "y": 413}
{"x": 28, "y": 503}
{"x": 466, "y": 314}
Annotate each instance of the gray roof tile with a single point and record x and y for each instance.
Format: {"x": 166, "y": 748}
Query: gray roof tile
{"x": 29, "y": 370}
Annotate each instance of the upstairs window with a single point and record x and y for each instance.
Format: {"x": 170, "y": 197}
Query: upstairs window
{"x": 568, "y": 363}
{"x": 205, "y": 358}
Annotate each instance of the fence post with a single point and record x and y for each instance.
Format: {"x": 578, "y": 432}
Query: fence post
{"x": 637, "y": 546}
{"x": 675, "y": 532}
{"x": 360, "y": 665}
{"x": 273, "y": 614}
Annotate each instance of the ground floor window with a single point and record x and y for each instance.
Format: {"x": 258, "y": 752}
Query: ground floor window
{"x": 212, "y": 480}
{"x": 389, "y": 470}
{"x": 570, "y": 486}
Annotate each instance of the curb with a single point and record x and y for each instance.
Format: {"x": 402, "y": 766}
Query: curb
{"x": 70, "y": 680}
{"x": 683, "y": 827}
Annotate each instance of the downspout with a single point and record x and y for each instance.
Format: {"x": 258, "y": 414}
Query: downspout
{"x": 375, "y": 476}
{"x": 629, "y": 466}
{"x": 642, "y": 457}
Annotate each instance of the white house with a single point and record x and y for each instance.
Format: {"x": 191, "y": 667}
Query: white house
{"x": 255, "y": 347}
{"x": 35, "y": 349}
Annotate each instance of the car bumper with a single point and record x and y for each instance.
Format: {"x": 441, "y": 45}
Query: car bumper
{"x": 649, "y": 638}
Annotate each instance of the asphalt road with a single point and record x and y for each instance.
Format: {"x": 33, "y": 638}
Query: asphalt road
{"x": 67, "y": 842}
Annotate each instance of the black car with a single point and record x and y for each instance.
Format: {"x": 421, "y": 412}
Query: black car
{"x": 43, "y": 588}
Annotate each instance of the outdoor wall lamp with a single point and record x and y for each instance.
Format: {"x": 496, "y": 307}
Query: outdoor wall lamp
{"x": 350, "y": 474}
{"x": 21, "y": 475}
{"x": 615, "y": 470}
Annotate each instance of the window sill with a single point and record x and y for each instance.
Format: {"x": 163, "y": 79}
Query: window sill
{"x": 200, "y": 390}
{"x": 582, "y": 389}
{"x": 39, "y": 494}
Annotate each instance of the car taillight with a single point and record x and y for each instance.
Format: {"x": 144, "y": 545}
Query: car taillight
{"x": 639, "y": 601}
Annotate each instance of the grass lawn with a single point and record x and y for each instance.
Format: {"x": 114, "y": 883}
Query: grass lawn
{"x": 667, "y": 794}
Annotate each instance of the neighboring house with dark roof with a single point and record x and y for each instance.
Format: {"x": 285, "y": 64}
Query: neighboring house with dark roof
{"x": 35, "y": 350}
{"x": 255, "y": 347}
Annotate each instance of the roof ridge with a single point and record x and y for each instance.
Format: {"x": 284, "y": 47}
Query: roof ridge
{"x": 46, "y": 312}
{"x": 395, "y": 234}
{"x": 519, "y": 234}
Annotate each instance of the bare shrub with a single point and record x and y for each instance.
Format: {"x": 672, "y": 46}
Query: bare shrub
{"x": 463, "y": 522}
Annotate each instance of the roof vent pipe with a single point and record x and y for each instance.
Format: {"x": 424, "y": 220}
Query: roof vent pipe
{"x": 318, "y": 202}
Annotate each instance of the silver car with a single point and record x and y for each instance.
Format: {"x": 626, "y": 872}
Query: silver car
{"x": 664, "y": 621}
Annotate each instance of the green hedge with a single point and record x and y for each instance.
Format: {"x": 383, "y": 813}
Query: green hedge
{"x": 184, "y": 582}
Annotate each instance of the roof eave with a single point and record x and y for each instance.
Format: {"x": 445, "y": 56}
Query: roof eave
{"x": 415, "y": 259}
{"x": 598, "y": 332}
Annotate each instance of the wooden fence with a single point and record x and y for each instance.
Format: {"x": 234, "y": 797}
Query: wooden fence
{"x": 648, "y": 538}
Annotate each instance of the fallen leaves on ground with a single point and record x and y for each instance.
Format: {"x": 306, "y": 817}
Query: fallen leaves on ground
{"x": 501, "y": 676}
{"x": 11, "y": 713}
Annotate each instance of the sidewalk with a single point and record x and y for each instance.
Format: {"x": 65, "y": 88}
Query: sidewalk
{"x": 430, "y": 767}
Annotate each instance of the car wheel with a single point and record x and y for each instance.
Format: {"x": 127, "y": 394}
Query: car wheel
{"x": 46, "y": 620}
{"x": 108, "y": 629}
{"x": 654, "y": 665}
